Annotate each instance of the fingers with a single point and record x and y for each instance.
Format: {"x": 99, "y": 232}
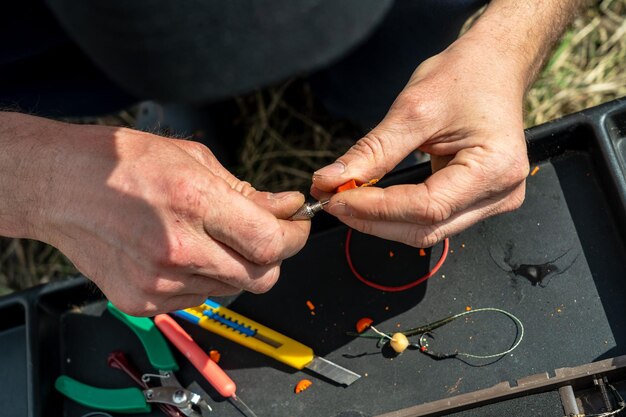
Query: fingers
{"x": 178, "y": 283}
{"x": 231, "y": 270}
{"x": 147, "y": 294}
{"x": 282, "y": 205}
{"x": 253, "y": 232}
{"x": 472, "y": 176}
{"x": 426, "y": 235}
{"x": 152, "y": 306}
{"x": 378, "y": 152}
{"x": 242, "y": 241}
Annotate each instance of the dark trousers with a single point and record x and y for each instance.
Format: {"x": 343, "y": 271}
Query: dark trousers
{"x": 75, "y": 57}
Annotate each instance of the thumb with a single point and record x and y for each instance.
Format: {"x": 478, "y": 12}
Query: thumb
{"x": 373, "y": 156}
{"x": 281, "y": 205}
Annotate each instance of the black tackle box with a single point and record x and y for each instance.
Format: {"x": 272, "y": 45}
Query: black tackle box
{"x": 571, "y": 229}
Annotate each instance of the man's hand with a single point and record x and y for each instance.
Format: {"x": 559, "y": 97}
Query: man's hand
{"x": 158, "y": 224}
{"x": 464, "y": 108}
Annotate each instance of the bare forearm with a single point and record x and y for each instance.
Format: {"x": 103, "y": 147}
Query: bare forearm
{"x": 524, "y": 31}
{"x": 18, "y": 175}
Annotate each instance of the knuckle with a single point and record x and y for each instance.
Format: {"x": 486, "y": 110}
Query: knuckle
{"x": 243, "y": 187}
{"x": 185, "y": 193}
{"x": 264, "y": 284}
{"x": 412, "y": 106}
{"x": 516, "y": 172}
{"x": 171, "y": 257}
{"x": 196, "y": 149}
{"x": 510, "y": 167}
{"x": 420, "y": 237}
{"x": 514, "y": 201}
{"x": 372, "y": 147}
{"x": 436, "y": 211}
{"x": 364, "y": 227}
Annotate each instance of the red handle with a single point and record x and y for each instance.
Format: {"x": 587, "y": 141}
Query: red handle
{"x": 209, "y": 369}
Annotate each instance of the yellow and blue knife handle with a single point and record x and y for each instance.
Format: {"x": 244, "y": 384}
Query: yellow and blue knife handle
{"x": 246, "y": 332}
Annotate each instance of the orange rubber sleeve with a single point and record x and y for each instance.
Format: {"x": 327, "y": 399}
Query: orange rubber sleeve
{"x": 347, "y": 186}
{"x": 209, "y": 369}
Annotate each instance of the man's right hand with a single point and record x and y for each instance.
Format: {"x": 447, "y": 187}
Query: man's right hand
{"x": 158, "y": 224}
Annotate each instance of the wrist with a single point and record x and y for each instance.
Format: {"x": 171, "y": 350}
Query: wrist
{"x": 518, "y": 36}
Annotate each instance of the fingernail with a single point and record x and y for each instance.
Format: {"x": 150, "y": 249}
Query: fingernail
{"x": 332, "y": 170}
{"x": 283, "y": 195}
{"x": 339, "y": 209}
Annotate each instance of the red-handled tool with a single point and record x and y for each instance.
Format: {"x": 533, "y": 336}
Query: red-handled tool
{"x": 202, "y": 362}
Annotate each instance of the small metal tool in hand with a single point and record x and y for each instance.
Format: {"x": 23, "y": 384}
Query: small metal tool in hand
{"x": 308, "y": 210}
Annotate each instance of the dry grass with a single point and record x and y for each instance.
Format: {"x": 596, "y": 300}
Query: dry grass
{"x": 287, "y": 136}
{"x": 24, "y": 263}
{"x": 587, "y": 68}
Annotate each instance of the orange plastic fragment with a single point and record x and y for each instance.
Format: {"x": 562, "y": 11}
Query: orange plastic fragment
{"x": 302, "y": 385}
{"x": 347, "y": 186}
{"x": 468, "y": 308}
{"x": 370, "y": 182}
{"x": 534, "y": 171}
{"x": 422, "y": 252}
{"x": 363, "y": 324}
{"x": 310, "y": 305}
{"x": 215, "y": 355}
{"x": 391, "y": 254}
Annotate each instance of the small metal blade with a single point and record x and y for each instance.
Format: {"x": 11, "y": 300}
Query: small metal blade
{"x": 205, "y": 408}
{"x": 332, "y": 371}
{"x": 241, "y": 406}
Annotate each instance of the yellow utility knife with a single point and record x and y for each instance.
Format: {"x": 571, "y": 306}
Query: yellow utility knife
{"x": 240, "y": 329}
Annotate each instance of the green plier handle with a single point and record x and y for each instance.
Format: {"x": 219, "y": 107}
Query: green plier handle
{"x": 153, "y": 342}
{"x": 123, "y": 400}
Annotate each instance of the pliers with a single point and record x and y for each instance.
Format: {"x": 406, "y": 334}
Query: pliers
{"x": 134, "y": 400}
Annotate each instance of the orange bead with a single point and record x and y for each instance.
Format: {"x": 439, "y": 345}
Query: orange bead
{"x": 215, "y": 355}
{"x": 363, "y": 324}
{"x": 302, "y": 385}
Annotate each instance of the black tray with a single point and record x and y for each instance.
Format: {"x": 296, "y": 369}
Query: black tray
{"x": 574, "y": 214}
